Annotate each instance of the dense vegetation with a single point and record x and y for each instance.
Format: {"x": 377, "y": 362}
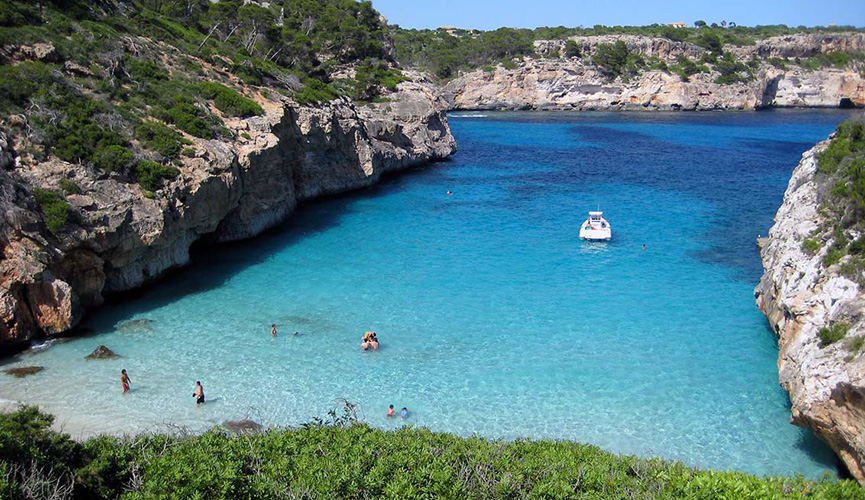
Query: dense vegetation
{"x": 447, "y": 52}
{"x": 127, "y": 85}
{"x": 342, "y": 458}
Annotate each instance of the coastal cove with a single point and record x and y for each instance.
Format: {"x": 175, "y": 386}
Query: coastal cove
{"x": 494, "y": 318}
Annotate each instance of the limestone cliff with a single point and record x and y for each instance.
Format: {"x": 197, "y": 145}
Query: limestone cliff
{"x": 552, "y": 82}
{"x": 800, "y": 295}
{"x": 120, "y": 237}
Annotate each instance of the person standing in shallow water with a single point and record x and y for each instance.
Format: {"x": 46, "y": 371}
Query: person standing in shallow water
{"x": 273, "y": 330}
{"x": 125, "y": 380}
{"x": 199, "y": 393}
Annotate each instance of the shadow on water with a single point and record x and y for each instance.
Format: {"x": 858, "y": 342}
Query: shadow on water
{"x": 213, "y": 265}
{"x": 819, "y": 452}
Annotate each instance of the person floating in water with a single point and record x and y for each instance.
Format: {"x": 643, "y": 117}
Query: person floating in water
{"x": 644, "y": 246}
{"x": 125, "y": 380}
{"x": 403, "y": 413}
{"x": 199, "y": 393}
{"x": 273, "y": 330}
{"x": 390, "y": 411}
{"x": 295, "y": 333}
{"x": 450, "y": 192}
{"x": 369, "y": 341}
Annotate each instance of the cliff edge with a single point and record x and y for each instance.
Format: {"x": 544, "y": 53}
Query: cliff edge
{"x": 630, "y": 72}
{"x": 812, "y": 296}
{"x": 120, "y": 236}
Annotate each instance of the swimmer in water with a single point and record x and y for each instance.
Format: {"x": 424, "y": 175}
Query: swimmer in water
{"x": 125, "y": 380}
{"x": 390, "y": 411}
{"x": 450, "y": 192}
{"x": 295, "y": 333}
{"x": 403, "y": 413}
{"x": 644, "y": 247}
{"x": 273, "y": 330}
{"x": 199, "y": 393}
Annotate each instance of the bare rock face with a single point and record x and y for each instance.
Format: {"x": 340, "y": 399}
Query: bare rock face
{"x": 800, "y": 295}
{"x": 555, "y": 83}
{"x": 117, "y": 239}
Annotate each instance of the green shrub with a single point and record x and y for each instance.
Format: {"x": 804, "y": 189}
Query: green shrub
{"x": 188, "y": 152}
{"x": 345, "y": 459}
{"x": 833, "y": 257}
{"x": 572, "y": 49}
{"x": 151, "y": 175}
{"x": 160, "y": 138}
{"x": 611, "y": 59}
{"x": 810, "y": 246}
{"x": 856, "y": 343}
{"x": 833, "y": 333}
{"x": 69, "y": 186}
{"x": 229, "y": 101}
{"x": 315, "y": 92}
{"x": 245, "y": 136}
{"x": 510, "y": 64}
{"x": 112, "y": 158}
{"x": 54, "y": 208}
{"x": 144, "y": 70}
{"x": 19, "y": 83}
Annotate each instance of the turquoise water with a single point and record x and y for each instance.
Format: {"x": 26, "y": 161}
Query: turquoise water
{"x": 494, "y": 318}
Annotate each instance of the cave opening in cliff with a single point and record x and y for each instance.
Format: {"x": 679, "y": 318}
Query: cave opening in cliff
{"x": 846, "y": 103}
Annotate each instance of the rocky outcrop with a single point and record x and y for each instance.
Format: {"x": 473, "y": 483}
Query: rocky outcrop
{"x": 551, "y": 82}
{"x": 119, "y": 237}
{"x": 102, "y": 352}
{"x": 800, "y": 295}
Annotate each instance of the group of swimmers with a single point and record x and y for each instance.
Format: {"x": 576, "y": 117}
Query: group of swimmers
{"x": 402, "y": 413}
{"x": 126, "y": 382}
{"x": 273, "y": 330}
{"x": 369, "y": 342}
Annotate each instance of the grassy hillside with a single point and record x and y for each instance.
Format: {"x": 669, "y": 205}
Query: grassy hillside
{"x": 125, "y": 87}
{"x": 344, "y": 459}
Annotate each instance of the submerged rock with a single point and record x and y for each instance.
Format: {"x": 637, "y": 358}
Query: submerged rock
{"x": 135, "y": 326}
{"x": 240, "y": 426}
{"x": 23, "y": 371}
{"x": 102, "y": 352}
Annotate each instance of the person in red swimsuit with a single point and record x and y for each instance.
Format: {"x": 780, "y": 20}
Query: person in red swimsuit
{"x": 125, "y": 380}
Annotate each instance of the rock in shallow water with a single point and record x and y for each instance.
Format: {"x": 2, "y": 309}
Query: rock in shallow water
{"x": 102, "y": 352}
{"x": 240, "y": 426}
{"x": 23, "y": 371}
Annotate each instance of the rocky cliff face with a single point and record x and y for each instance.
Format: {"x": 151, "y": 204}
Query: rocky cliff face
{"x": 119, "y": 237}
{"x": 553, "y": 83}
{"x": 800, "y": 295}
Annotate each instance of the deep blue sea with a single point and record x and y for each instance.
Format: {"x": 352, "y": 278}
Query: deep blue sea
{"x": 494, "y": 318}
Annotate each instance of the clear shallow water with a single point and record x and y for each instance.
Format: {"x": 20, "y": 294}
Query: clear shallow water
{"x": 494, "y": 318}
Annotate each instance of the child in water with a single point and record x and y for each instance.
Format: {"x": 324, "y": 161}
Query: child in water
{"x": 403, "y": 413}
{"x": 390, "y": 411}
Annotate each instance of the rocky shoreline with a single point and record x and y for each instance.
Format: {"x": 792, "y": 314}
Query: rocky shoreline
{"x": 119, "y": 237}
{"x": 800, "y": 295}
{"x": 551, "y": 82}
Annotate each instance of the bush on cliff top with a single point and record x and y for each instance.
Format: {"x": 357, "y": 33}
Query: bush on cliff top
{"x": 344, "y": 459}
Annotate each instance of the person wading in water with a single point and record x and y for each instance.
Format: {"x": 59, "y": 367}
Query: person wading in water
{"x": 199, "y": 393}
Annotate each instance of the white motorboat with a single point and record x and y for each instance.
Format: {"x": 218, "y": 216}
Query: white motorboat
{"x": 596, "y": 228}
